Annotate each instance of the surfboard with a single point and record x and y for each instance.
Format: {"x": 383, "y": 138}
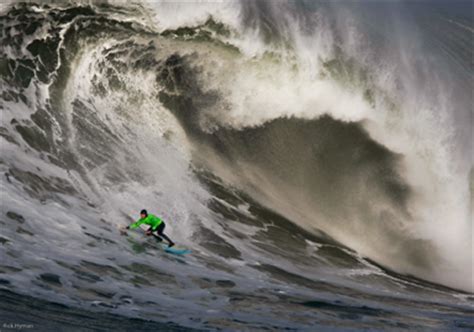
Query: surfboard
{"x": 175, "y": 250}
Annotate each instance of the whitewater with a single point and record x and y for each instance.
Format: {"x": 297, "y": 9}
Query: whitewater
{"x": 316, "y": 157}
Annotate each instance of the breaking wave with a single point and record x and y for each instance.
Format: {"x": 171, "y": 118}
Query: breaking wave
{"x": 266, "y": 133}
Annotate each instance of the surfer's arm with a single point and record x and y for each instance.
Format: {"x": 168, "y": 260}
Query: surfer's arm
{"x": 135, "y": 224}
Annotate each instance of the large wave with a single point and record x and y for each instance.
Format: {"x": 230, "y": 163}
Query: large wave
{"x": 355, "y": 130}
{"x": 379, "y": 157}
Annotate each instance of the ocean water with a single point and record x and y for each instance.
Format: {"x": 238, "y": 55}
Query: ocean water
{"x": 316, "y": 157}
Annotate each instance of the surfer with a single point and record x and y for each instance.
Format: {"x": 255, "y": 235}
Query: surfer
{"x": 156, "y": 225}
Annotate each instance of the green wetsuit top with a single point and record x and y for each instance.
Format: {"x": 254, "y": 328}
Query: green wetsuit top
{"x": 150, "y": 219}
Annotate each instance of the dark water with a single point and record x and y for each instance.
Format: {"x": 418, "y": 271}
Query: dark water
{"x": 28, "y": 313}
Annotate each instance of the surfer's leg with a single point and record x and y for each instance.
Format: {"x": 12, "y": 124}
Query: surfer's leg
{"x": 160, "y": 230}
{"x": 159, "y": 239}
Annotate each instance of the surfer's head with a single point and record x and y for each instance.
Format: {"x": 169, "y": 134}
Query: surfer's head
{"x": 143, "y": 213}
